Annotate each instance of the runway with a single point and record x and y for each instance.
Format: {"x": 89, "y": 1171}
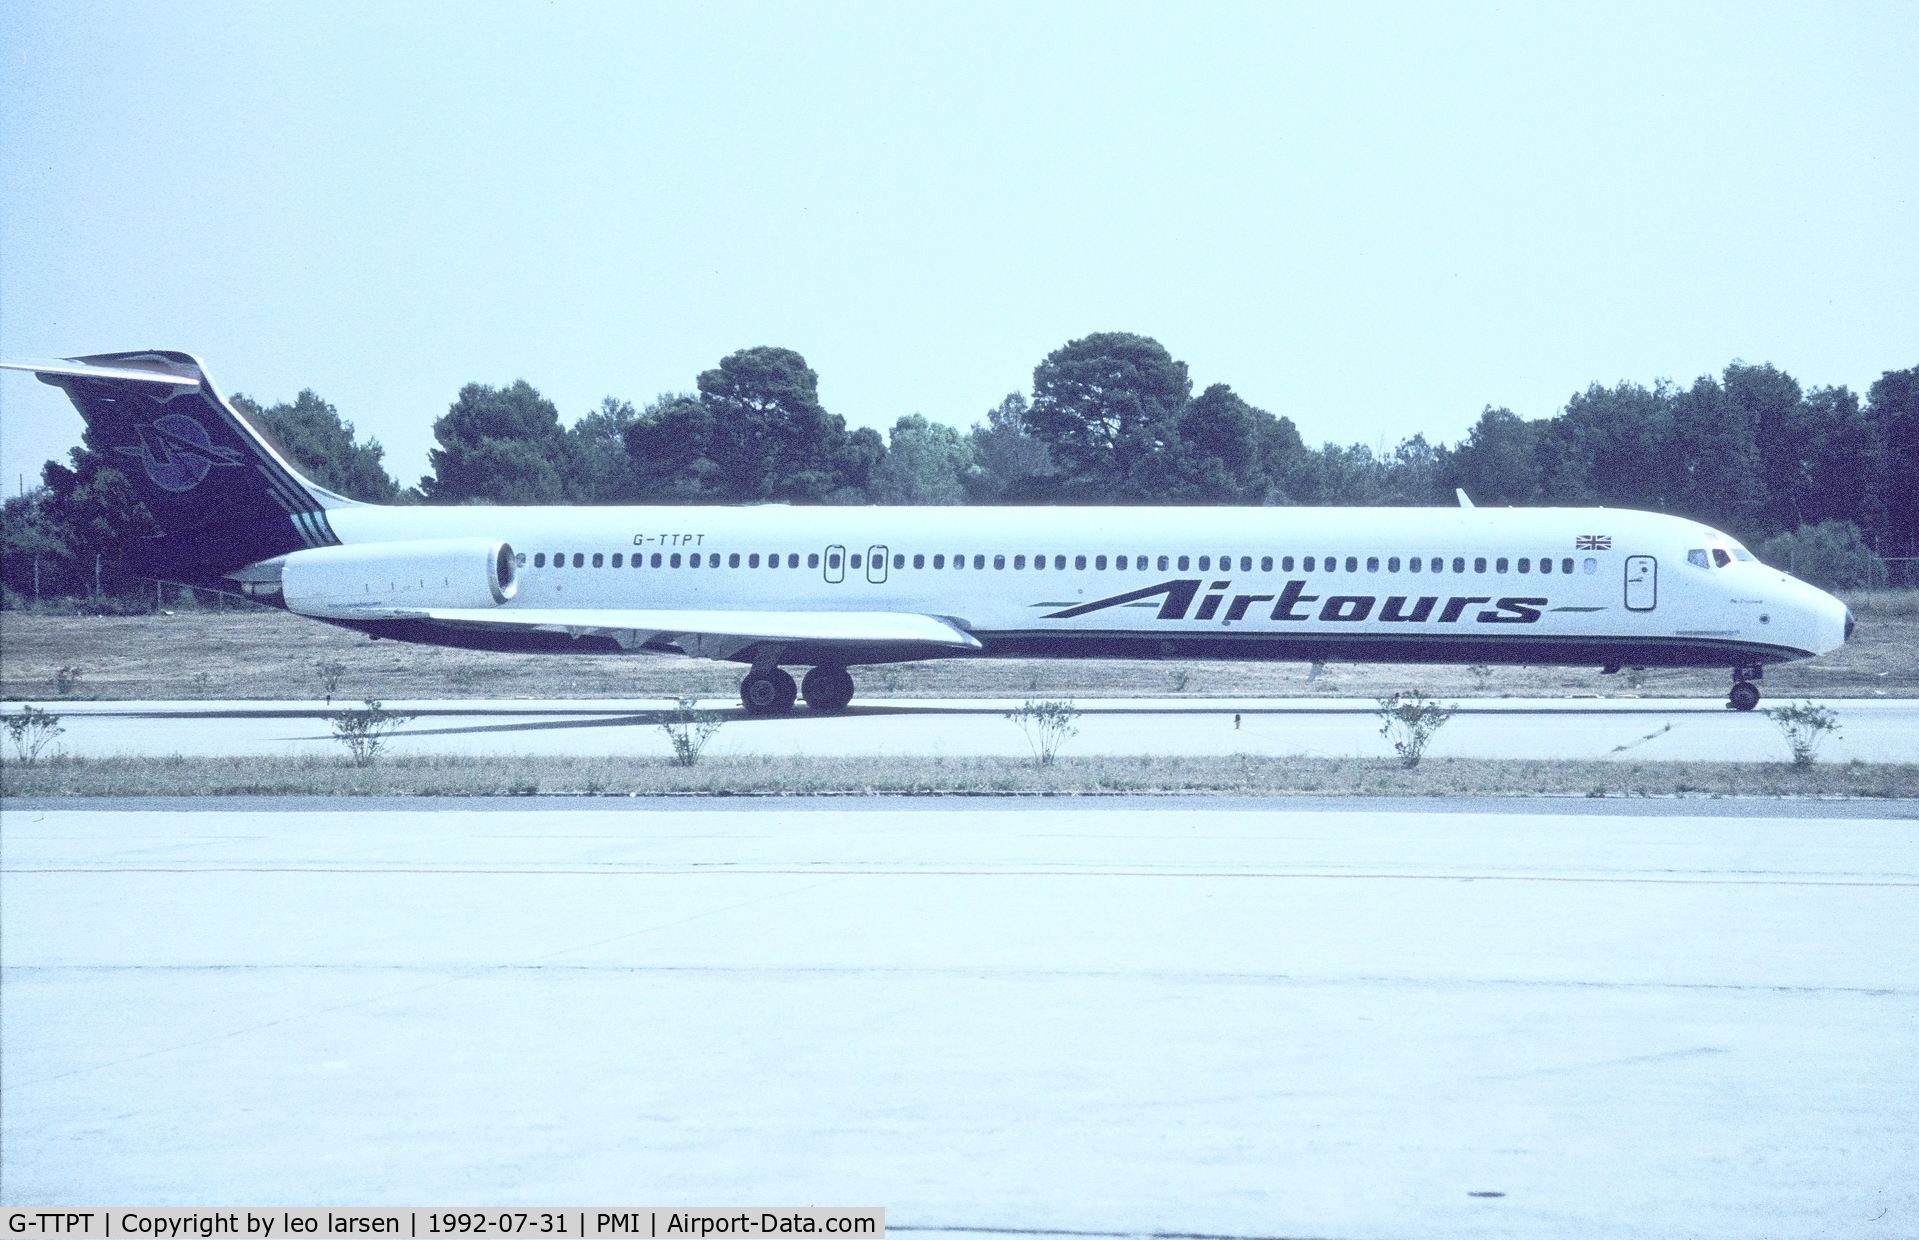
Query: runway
{"x": 1333, "y": 1022}
{"x": 1703, "y": 730}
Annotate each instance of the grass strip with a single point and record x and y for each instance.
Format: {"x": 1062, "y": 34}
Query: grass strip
{"x": 454, "y": 775}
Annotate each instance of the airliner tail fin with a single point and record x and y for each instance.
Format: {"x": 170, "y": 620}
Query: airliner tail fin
{"x": 221, "y": 493}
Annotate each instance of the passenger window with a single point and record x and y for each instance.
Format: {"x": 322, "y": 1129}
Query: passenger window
{"x": 899, "y": 561}
{"x": 853, "y": 561}
{"x": 979, "y": 561}
{"x": 1591, "y": 565}
{"x": 832, "y": 561}
{"x": 1566, "y": 565}
{"x": 1019, "y": 561}
{"x": 539, "y": 559}
{"x": 1059, "y": 563}
{"x": 1501, "y": 566}
{"x": 1352, "y": 563}
{"x": 1119, "y": 562}
{"x": 1309, "y": 564}
{"x": 1162, "y": 563}
{"x": 619, "y": 560}
{"x": 1697, "y": 558}
{"x": 1139, "y": 562}
{"x": 1525, "y": 565}
{"x": 693, "y": 561}
{"x": 1392, "y": 564}
{"x": 793, "y": 560}
{"x": 1099, "y": 563}
{"x": 1205, "y": 562}
{"x": 1039, "y": 563}
{"x": 733, "y": 560}
{"x": 1286, "y": 565}
{"x": 656, "y": 560}
{"x": 1545, "y": 564}
{"x": 1184, "y": 561}
{"x": 1079, "y": 562}
{"x": 1265, "y": 563}
{"x": 638, "y": 560}
{"x": 676, "y": 559}
{"x": 813, "y": 559}
{"x": 1459, "y": 564}
{"x": 939, "y": 561}
{"x": 919, "y": 561}
{"x": 999, "y": 561}
{"x": 1412, "y": 565}
{"x": 1372, "y": 563}
{"x": 753, "y": 561}
{"x": 599, "y": 561}
{"x": 1479, "y": 564}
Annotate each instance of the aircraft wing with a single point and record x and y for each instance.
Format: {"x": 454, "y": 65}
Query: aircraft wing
{"x": 714, "y": 634}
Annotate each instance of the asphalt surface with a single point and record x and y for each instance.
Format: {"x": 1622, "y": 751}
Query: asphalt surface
{"x": 1385, "y": 1020}
{"x": 1871, "y": 730}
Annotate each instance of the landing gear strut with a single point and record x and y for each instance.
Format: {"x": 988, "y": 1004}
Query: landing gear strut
{"x": 770, "y": 692}
{"x": 828, "y": 689}
{"x": 1745, "y": 694}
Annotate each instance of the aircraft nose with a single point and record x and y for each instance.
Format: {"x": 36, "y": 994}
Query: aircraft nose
{"x": 1849, "y": 624}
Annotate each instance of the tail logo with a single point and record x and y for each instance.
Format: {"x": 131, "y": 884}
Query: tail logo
{"x": 177, "y": 453}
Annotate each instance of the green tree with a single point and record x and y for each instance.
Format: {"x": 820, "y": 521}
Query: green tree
{"x": 1011, "y": 466}
{"x": 1715, "y": 469}
{"x": 314, "y": 438}
{"x": 1612, "y": 446}
{"x": 926, "y": 463}
{"x": 1498, "y": 462}
{"x": 756, "y": 433}
{"x": 1102, "y": 405}
{"x": 1893, "y": 409}
{"x": 497, "y": 446}
{"x": 598, "y": 468}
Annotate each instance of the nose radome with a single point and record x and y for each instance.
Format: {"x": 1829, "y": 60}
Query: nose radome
{"x": 1849, "y": 624}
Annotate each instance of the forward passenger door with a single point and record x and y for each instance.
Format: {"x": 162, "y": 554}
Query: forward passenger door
{"x": 1642, "y": 583}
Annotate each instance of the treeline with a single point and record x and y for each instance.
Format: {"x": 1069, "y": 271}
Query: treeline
{"x": 1815, "y": 479}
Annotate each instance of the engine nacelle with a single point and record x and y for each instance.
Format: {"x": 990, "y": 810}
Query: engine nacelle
{"x": 353, "y": 580}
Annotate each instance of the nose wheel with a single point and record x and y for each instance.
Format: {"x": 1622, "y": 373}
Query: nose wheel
{"x": 768, "y": 693}
{"x": 1744, "y": 696}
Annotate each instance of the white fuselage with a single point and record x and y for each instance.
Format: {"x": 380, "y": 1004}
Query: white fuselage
{"x": 1569, "y": 585}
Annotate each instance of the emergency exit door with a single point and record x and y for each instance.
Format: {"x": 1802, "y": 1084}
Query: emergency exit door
{"x": 1642, "y": 583}
{"x": 836, "y": 563}
{"x": 876, "y": 565}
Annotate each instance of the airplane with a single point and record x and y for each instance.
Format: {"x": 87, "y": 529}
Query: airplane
{"x": 828, "y": 588}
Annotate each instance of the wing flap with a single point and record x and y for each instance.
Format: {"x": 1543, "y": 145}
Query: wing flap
{"x": 718, "y": 629}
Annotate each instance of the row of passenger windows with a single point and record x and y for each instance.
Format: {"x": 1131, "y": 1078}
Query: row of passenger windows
{"x": 1120, "y": 563}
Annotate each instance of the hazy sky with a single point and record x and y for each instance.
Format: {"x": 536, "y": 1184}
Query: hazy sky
{"x": 1374, "y": 220}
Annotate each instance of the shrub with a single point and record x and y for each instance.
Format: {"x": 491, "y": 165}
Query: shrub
{"x": 364, "y": 730}
{"x": 689, "y": 728}
{"x": 1804, "y": 726}
{"x": 31, "y": 731}
{"x": 1409, "y": 721}
{"x": 1047, "y": 725}
{"x": 67, "y": 679}
{"x": 1830, "y": 555}
{"x": 329, "y": 672}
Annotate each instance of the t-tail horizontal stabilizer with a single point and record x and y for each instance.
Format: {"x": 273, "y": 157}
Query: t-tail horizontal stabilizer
{"x": 220, "y": 493}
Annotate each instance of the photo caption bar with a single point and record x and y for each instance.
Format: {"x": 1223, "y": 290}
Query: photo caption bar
{"x": 574, "y": 1222}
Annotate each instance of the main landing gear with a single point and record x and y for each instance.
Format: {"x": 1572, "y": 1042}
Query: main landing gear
{"x": 772, "y": 692}
{"x": 1745, "y": 694}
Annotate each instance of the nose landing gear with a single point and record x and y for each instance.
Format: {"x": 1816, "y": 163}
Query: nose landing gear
{"x": 1745, "y": 694}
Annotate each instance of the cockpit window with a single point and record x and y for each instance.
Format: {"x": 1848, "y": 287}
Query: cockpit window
{"x": 1740, "y": 553}
{"x": 1697, "y": 558}
{"x": 1720, "y": 557}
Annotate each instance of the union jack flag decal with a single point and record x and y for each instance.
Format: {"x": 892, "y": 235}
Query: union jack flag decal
{"x": 1593, "y": 542}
